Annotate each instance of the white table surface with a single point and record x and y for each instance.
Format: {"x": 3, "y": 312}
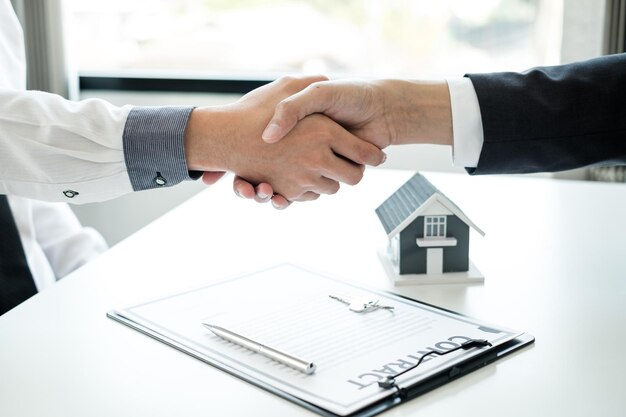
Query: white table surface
{"x": 554, "y": 258}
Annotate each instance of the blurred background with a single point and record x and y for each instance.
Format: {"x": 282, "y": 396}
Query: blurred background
{"x": 206, "y": 52}
{"x": 369, "y": 38}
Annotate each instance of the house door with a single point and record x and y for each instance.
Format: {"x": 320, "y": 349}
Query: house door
{"x": 434, "y": 261}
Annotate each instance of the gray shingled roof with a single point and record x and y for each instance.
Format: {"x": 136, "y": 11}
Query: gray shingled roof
{"x": 405, "y": 201}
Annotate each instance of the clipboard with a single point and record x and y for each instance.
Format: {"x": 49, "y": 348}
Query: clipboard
{"x": 335, "y": 390}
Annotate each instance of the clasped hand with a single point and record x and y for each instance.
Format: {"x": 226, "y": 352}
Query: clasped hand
{"x": 380, "y": 112}
{"x": 312, "y": 157}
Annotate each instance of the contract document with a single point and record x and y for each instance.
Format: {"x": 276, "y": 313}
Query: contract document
{"x": 290, "y": 308}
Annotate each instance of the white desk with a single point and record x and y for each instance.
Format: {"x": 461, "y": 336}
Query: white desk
{"x": 554, "y": 258}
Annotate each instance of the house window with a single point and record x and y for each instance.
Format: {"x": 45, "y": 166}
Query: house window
{"x": 435, "y": 226}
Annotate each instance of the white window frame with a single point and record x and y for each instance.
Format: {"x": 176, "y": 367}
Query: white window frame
{"x": 435, "y": 226}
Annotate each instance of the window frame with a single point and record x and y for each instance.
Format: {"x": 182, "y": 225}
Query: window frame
{"x": 213, "y": 85}
{"x": 438, "y": 227}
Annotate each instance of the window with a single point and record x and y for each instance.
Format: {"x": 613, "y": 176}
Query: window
{"x": 254, "y": 39}
{"x": 434, "y": 226}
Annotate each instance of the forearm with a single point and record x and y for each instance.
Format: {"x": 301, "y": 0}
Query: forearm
{"x": 417, "y": 111}
{"x": 210, "y": 138}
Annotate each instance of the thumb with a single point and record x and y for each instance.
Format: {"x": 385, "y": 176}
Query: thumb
{"x": 277, "y": 129}
{"x": 313, "y": 99}
{"x": 286, "y": 116}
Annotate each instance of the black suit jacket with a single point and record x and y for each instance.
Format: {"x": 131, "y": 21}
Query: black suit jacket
{"x": 553, "y": 118}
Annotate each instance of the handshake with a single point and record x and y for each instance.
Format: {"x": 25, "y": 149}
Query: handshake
{"x": 297, "y": 138}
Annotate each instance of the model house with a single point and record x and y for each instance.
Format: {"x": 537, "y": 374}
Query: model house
{"x": 428, "y": 233}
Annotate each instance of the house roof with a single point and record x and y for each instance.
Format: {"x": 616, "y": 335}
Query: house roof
{"x": 410, "y": 200}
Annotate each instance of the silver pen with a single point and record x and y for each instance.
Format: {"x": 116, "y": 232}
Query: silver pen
{"x": 292, "y": 361}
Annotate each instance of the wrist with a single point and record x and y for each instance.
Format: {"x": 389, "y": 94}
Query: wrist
{"x": 419, "y": 111}
{"x": 207, "y": 139}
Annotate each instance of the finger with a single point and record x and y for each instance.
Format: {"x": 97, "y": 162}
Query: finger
{"x": 279, "y": 202}
{"x": 313, "y": 99}
{"x": 308, "y": 196}
{"x": 343, "y": 170}
{"x": 355, "y": 149}
{"x": 264, "y": 193}
{"x": 243, "y": 188}
{"x": 325, "y": 185}
{"x": 211, "y": 177}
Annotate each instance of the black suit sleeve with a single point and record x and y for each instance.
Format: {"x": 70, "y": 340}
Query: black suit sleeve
{"x": 553, "y": 118}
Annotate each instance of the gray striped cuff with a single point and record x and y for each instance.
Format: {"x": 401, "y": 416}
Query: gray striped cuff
{"x": 154, "y": 146}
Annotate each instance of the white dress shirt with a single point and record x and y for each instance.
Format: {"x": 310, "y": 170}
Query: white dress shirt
{"x": 54, "y": 241}
{"x": 467, "y": 125}
{"x": 54, "y": 150}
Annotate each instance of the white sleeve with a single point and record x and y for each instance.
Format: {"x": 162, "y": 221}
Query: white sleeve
{"x": 53, "y": 239}
{"x": 66, "y": 243}
{"x": 467, "y": 125}
{"x": 49, "y": 145}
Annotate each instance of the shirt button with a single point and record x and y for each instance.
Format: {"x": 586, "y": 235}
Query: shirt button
{"x": 70, "y": 193}
{"x": 160, "y": 180}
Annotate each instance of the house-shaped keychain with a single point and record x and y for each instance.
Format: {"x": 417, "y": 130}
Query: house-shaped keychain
{"x": 428, "y": 237}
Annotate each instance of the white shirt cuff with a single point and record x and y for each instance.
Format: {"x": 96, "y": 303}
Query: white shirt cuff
{"x": 467, "y": 125}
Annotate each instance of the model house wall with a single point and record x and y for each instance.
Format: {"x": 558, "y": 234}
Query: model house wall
{"x": 428, "y": 233}
{"x": 413, "y": 259}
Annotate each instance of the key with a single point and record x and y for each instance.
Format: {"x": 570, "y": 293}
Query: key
{"x": 373, "y": 306}
{"x": 361, "y": 305}
{"x": 357, "y": 305}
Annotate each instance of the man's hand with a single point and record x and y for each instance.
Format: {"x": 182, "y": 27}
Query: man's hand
{"x": 315, "y": 156}
{"x": 385, "y": 112}
{"x": 309, "y": 161}
{"x": 358, "y": 106}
